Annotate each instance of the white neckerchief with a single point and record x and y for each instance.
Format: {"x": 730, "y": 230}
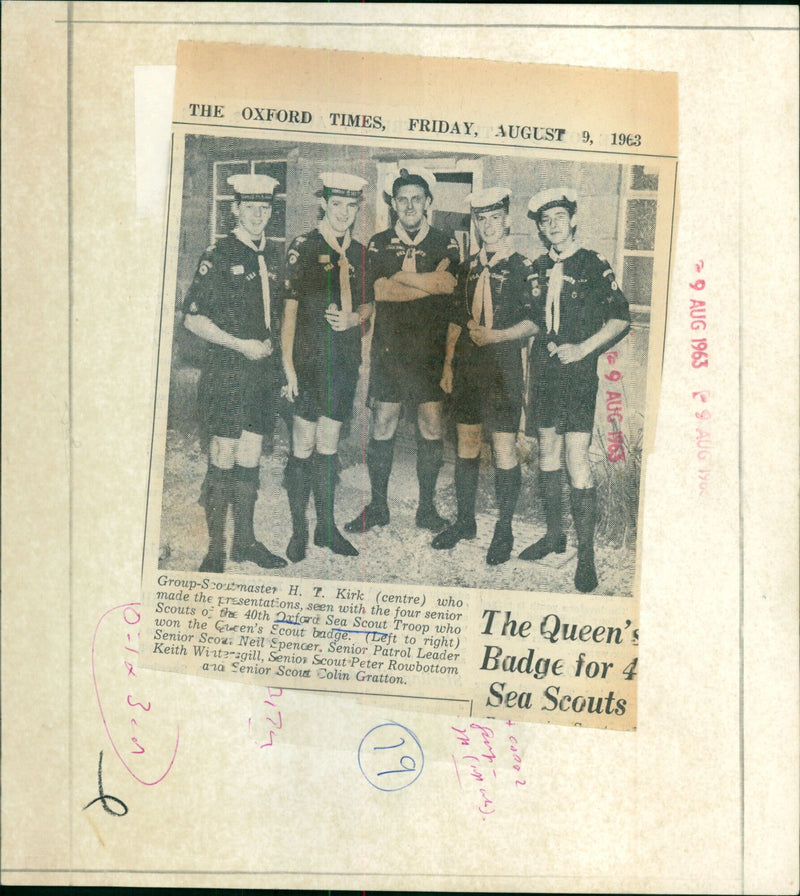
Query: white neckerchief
{"x": 344, "y": 265}
{"x": 410, "y": 261}
{"x": 482, "y": 299}
{"x": 553, "y": 303}
{"x": 242, "y": 235}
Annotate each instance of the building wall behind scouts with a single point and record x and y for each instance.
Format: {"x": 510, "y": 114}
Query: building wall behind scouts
{"x": 599, "y": 188}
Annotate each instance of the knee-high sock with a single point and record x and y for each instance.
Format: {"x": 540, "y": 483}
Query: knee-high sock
{"x": 584, "y": 512}
{"x": 430, "y": 454}
{"x": 466, "y": 488}
{"x": 324, "y": 487}
{"x": 298, "y": 484}
{"x": 380, "y": 454}
{"x": 507, "y": 485}
{"x": 245, "y": 494}
{"x": 551, "y": 493}
{"x": 217, "y": 493}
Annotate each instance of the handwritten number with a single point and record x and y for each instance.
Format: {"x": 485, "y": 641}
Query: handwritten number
{"x": 280, "y": 721}
{"x": 698, "y": 285}
{"x": 145, "y": 708}
{"x": 403, "y": 768}
{"x": 271, "y": 737}
{"x": 141, "y": 748}
{"x": 105, "y": 799}
{"x": 125, "y": 616}
{"x": 391, "y": 746}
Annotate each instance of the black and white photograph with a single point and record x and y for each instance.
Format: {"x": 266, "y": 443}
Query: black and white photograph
{"x": 405, "y": 365}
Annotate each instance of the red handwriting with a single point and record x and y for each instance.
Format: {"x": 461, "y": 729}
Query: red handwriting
{"x": 145, "y": 741}
{"x": 268, "y": 721}
{"x": 489, "y": 761}
{"x": 615, "y": 442}
{"x": 699, "y": 359}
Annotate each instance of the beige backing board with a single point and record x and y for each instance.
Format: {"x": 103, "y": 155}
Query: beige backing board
{"x": 232, "y": 783}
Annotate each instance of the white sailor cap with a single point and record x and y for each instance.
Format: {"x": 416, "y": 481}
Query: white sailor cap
{"x": 335, "y": 183}
{"x": 407, "y": 175}
{"x": 490, "y": 199}
{"x": 253, "y": 187}
{"x": 551, "y": 198}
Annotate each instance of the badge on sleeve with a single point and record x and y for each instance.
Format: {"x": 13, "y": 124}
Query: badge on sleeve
{"x": 205, "y": 267}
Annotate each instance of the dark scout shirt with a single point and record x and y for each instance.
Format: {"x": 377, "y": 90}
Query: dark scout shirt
{"x": 312, "y": 280}
{"x": 227, "y": 288}
{"x": 417, "y": 328}
{"x": 511, "y": 280}
{"x": 590, "y": 297}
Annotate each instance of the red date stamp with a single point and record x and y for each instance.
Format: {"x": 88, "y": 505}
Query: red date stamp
{"x": 615, "y": 441}
{"x": 699, "y": 359}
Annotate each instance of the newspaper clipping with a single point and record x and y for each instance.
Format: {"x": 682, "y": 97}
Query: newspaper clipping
{"x": 408, "y": 369}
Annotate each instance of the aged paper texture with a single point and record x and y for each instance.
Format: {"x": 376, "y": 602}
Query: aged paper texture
{"x": 119, "y": 773}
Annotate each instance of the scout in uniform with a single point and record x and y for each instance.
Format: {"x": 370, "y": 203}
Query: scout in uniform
{"x": 325, "y": 315}
{"x": 580, "y": 311}
{"x": 410, "y": 274}
{"x": 483, "y": 369}
{"x": 234, "y": 305}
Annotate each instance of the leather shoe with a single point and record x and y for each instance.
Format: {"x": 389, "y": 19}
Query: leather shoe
{"x": 500, "y": 548}
{"x": 334, "y": 540}
{"x": 428, "y": 518}
{"x": 543, "y": 547}
{"x": 296, "y": 549}
{"x": 257, "y": 553}
{"x": 372, "y": 515}
{"x": 451, "y": 536}
{"x": 213, "y": 562}
{"x": 585, "y": 575}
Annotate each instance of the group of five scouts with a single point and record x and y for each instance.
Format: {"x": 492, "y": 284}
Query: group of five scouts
{"x": 440, "y": 328}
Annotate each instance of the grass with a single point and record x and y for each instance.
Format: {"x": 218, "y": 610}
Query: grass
{"x": 618, "y": 485}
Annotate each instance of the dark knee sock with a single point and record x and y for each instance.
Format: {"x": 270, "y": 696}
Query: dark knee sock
{"x": 466, "y": 488}
{"x": 216, "y": 494}
{"x": 298, "y": 484}
{"x": 584, "y": 512}
{"x": 551, "y": 481}
{"x": 507, "y": 485}
{"x": 245, "y": 493}
{"x": 380, "y": 454}
{"x": 430, "y": 455}
{"x": 324, "y": 470}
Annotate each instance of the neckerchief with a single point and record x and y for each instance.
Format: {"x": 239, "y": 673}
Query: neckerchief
{"x": 332, "y": 240}
{"x": 553, "y": 303}
{"x": 410, "y": 261}
{"x": 241, "y": 234}
{"x": 482, "y": 298}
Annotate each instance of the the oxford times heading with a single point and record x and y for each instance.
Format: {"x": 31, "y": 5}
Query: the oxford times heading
{"x": 362, "y": 122}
